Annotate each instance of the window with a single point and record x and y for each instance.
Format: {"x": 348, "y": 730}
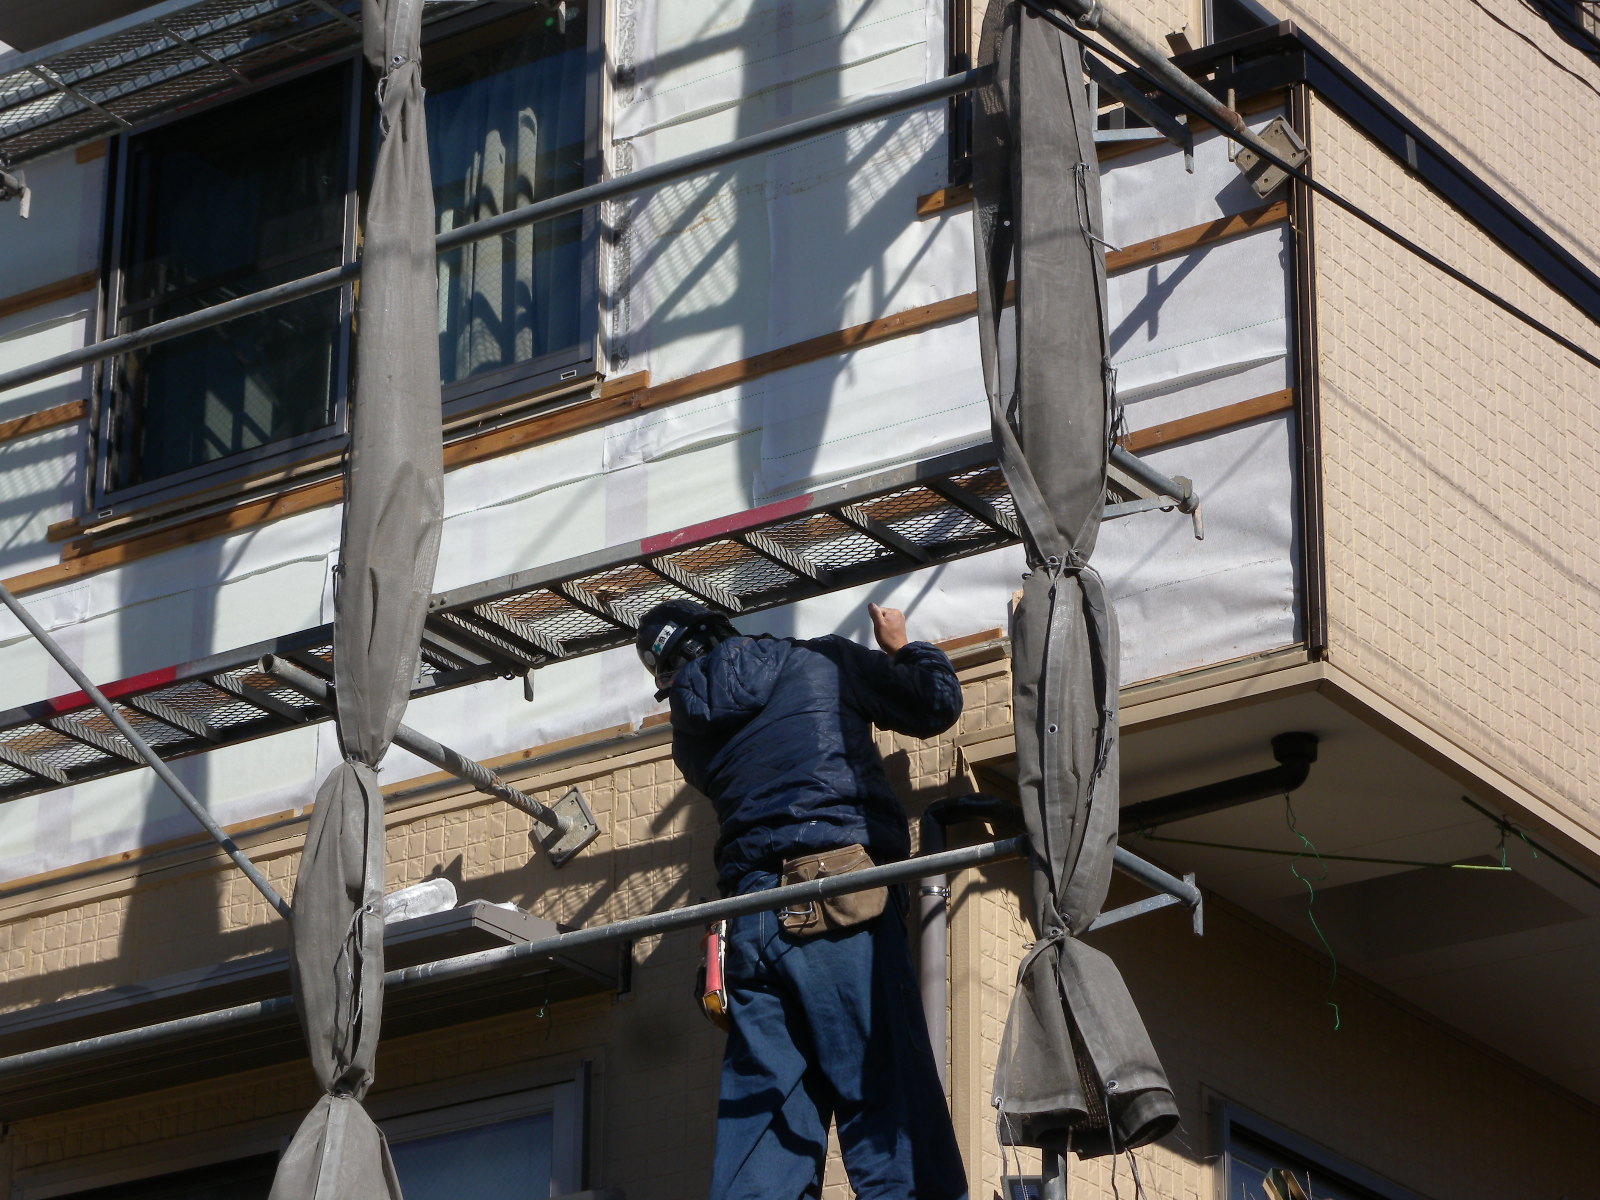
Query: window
{"x": 1254, "y": 1146}
{"x": 506, "y": 1148}
{"x": 1230, "y": 18}
{"x": 262, "y": 190}
{"x": 524, "y": 1145}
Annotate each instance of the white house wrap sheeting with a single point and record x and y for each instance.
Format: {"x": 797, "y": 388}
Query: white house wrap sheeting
{"x": 691, "y": 286}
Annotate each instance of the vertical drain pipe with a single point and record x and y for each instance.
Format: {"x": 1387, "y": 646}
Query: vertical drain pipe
{"x": 933, "y": 920}
{"x": 933, "y": 960}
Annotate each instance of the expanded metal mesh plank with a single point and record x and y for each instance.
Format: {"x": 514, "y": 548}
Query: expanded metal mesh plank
{"x": 57, "y": 749}
{"x": 258, "y": 680}
{"x": 825, "y": 541}
{"x": 923, "y": 516}
{"x": 209, "y": 704}
{"x": 742, "y": 571}
{"x": 552, "y": 616}
{"x": 762, "y": 558}
{"x": 628, "y": 590}
{"x": 142, "y": 72}
{"x": 157, "y": 733}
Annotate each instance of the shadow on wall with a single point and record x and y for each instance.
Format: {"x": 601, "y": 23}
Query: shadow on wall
{"x": 781, "y": 247}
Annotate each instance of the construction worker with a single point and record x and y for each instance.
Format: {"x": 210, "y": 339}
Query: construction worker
{"x": 825, "y": 1018}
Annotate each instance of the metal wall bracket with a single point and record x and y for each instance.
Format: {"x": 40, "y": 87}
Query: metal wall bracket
{"x": 577, "y": 829}
{"x": 1265, "y": 177}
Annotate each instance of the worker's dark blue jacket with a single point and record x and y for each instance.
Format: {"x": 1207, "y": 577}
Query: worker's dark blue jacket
{"x": 778, "y": 733}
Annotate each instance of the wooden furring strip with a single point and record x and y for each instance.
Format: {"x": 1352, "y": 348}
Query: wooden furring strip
{"x": 59, "y": 290}
{"x": 45, "y": 418}
{"x": 1229, "y": 415}
{"x": 1196, "y": 236}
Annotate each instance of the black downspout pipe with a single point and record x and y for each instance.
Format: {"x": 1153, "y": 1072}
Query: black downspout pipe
{"x": 1295, "y": 753}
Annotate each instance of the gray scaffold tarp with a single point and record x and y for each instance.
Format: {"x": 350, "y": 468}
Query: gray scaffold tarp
{"x": 388, "y": 549}
{"x": 1077, "y": 1068}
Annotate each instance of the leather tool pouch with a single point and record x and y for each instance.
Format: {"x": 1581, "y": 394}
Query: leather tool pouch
{"x": 836, "y": 912}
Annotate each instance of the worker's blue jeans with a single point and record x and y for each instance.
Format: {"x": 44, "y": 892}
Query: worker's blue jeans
{"x": 825, "y": 1027}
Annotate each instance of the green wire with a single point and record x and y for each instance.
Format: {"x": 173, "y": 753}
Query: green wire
{"x": 1311, "y": 898}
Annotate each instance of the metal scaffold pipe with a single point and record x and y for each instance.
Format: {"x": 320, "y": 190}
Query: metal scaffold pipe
{"x": 1093, "y": 16}
{"x": 509, "y": 959}
{"x": 143, "y": 749}
{"x": 423, "y": 746}
{"x": 542, "y": 210}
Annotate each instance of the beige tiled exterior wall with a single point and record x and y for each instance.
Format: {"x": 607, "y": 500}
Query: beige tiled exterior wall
{"x": 1494, "y": 84}
{"x": 1459, "y": 449}
{"x": 1243, "y": 1015}
{"x": 1240, "y": 1013}
{"x": 1490, "y": 80}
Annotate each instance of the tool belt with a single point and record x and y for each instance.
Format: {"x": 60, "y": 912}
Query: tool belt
{"x": 836, "y": 912}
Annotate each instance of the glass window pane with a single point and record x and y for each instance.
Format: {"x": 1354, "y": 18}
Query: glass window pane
{"x": 228, "y": 389}
{"x": 509, "y": 1160}
{"x": 1249, "y": 1160}
{"x": 227, "y": 202}
{"x": 506, "y": 105}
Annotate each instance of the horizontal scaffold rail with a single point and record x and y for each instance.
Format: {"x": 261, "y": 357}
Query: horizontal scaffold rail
{"x": 111, "y": 1056}
{"x": 616, "y": 188}
{"x": 887, "y": 524}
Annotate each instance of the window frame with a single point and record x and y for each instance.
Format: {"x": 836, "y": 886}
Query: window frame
{"x": 561, "y": 1087}
{"x": 109, "y": 500}
{"x": 565, "y": 1102}
{"x": 274, "y": 463}
{"x": 1228, "y": 1117}
{"x": 1209, "y": 23}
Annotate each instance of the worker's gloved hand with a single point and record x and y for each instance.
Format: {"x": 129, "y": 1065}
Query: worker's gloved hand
{"x": 889, "y": 627}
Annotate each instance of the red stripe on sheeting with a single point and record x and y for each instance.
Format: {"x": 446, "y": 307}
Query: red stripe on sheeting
{"x": 73, "y": 701}
{"x": 726, "y": 526}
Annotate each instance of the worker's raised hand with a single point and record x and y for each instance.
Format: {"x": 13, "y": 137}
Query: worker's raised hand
{"x": 889, "y": 627}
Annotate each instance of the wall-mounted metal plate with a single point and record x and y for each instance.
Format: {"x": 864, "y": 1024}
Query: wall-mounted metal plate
{"x": 1265, "y": 177}
{"x": 579, "y": 827}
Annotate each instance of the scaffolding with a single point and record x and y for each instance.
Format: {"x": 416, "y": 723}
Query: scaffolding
{"x": 896, "y": 521}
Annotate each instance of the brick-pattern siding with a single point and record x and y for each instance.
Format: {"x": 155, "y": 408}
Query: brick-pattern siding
{"x": 1491, "y": 80}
